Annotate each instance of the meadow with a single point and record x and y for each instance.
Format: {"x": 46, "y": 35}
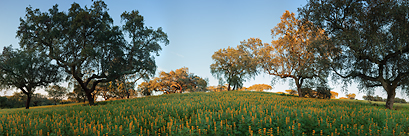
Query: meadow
{"x": 221, "y": 113}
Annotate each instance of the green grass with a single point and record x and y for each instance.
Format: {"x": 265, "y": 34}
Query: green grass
{"x": 223, "y": 113}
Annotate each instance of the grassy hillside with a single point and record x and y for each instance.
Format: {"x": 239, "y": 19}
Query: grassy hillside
{"x": 223, "y": 113}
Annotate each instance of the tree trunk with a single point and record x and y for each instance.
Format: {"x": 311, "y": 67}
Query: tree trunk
{"x": 89, "y": 97}
{"x": 299, "y": 84}
{"x": 390, "y": 99}
{"x": 127, "y": 93}
{"x": 228, "y": 87}
{"x": 300, "y": 94}
{"x": 28, "y": 101}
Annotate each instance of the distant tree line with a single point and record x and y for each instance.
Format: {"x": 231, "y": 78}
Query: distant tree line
{"x": 18, "y": 100}
{"x": 378, "y": 98}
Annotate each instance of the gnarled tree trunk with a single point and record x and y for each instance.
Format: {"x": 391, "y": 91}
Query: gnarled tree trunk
{"x": 298, "y": 83}
{"x": 390, "y": 88}
{"x": 390, "y": 99}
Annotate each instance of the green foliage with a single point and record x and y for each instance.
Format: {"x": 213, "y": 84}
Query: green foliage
{"x": 86, "y": 44}
{"x": 56, "y": 92}
{"x": 235, "y": 65}
{"x": 378, "y": 98}
{"x": 8, "y": 102}
{"x": 18, "y": 100}
{"x": 116, "y": 89}
{"x": 26, "y": 70}
{"x": 369, "y": 41}
{"x": 77, "y": 94}
{"x": 214, "y": 113}
{"x": 319, "y": 92}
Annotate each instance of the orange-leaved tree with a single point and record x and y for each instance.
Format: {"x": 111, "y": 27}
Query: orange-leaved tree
{"x": 351, "y": 96}
{"x": 334, "y": 95}
{"x": 234, "y": 65}
{"x": 176, "y": 81}
{"x": 260, "y": 87}
{"x": 292, "y": 55}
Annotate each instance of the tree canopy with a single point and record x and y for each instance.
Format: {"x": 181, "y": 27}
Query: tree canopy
{"x": 56, "y": 93}
{"x": 260, "y": 87}
{"x": 176, "y": 81}
{"x": 86, "y": 44}
{"x": 291, "y": 55}
{"x": 26, "y": 70}
{"x": 234, "y": 65}
{"x": 351, "y": 96}
{"x": 369, "y": 38}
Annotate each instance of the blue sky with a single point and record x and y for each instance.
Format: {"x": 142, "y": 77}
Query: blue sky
{"x": 195, "y": 28}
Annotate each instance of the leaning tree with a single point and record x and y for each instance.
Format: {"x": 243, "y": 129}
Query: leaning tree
{"x": 371, "y": 38}
{"x": 86, "y": 44}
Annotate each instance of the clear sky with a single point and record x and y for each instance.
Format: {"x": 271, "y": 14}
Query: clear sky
{"x": 195, "y": 28}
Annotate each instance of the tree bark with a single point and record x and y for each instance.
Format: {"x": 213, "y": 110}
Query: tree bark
{"x": 180, "y": 90}
{"x": 390, "y": 99}
{"x": 228, "y": 87}
{"x": 298, "y": 83}
{"x": 28, "y": 101}
{"x": 89, "y": 97}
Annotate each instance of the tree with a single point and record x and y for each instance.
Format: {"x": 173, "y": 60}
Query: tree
{"x": 370, "y": 41}
{"x": 86, "y": 44}
{"x": 323, "y": 93}
{"x": 147, "y": 87}
{"x": 26, "y": 70}
{"x": 260, "y": 87}
{"x": 116, "y": 89}
{"x": 77, "y": 94}
{"x": 334, "y": 95}
{"x": 176, "y": 81}
{"x": 235, "y": 65}
{"x": 292, "y": 55}
{"x": 351, "y": 96}
{"x": 399, "y": 100}
{"x": 291, "y": 91}
{"x": 129, "y": 81}
{"x": 218, "y": 88}
{"x": 56, "y": 92}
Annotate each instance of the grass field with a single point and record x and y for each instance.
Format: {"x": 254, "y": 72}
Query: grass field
{"x": 223, "y": 113}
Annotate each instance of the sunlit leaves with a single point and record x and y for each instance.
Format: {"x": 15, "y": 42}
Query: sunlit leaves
{"x": 260, "y": 87}
{"x": 292, "y": 54}
{"x": 235, "y": 65}
{"x": 177, "y": 81}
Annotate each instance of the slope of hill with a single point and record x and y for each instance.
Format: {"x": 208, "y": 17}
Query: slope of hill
{"x": 223, "y": 113}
